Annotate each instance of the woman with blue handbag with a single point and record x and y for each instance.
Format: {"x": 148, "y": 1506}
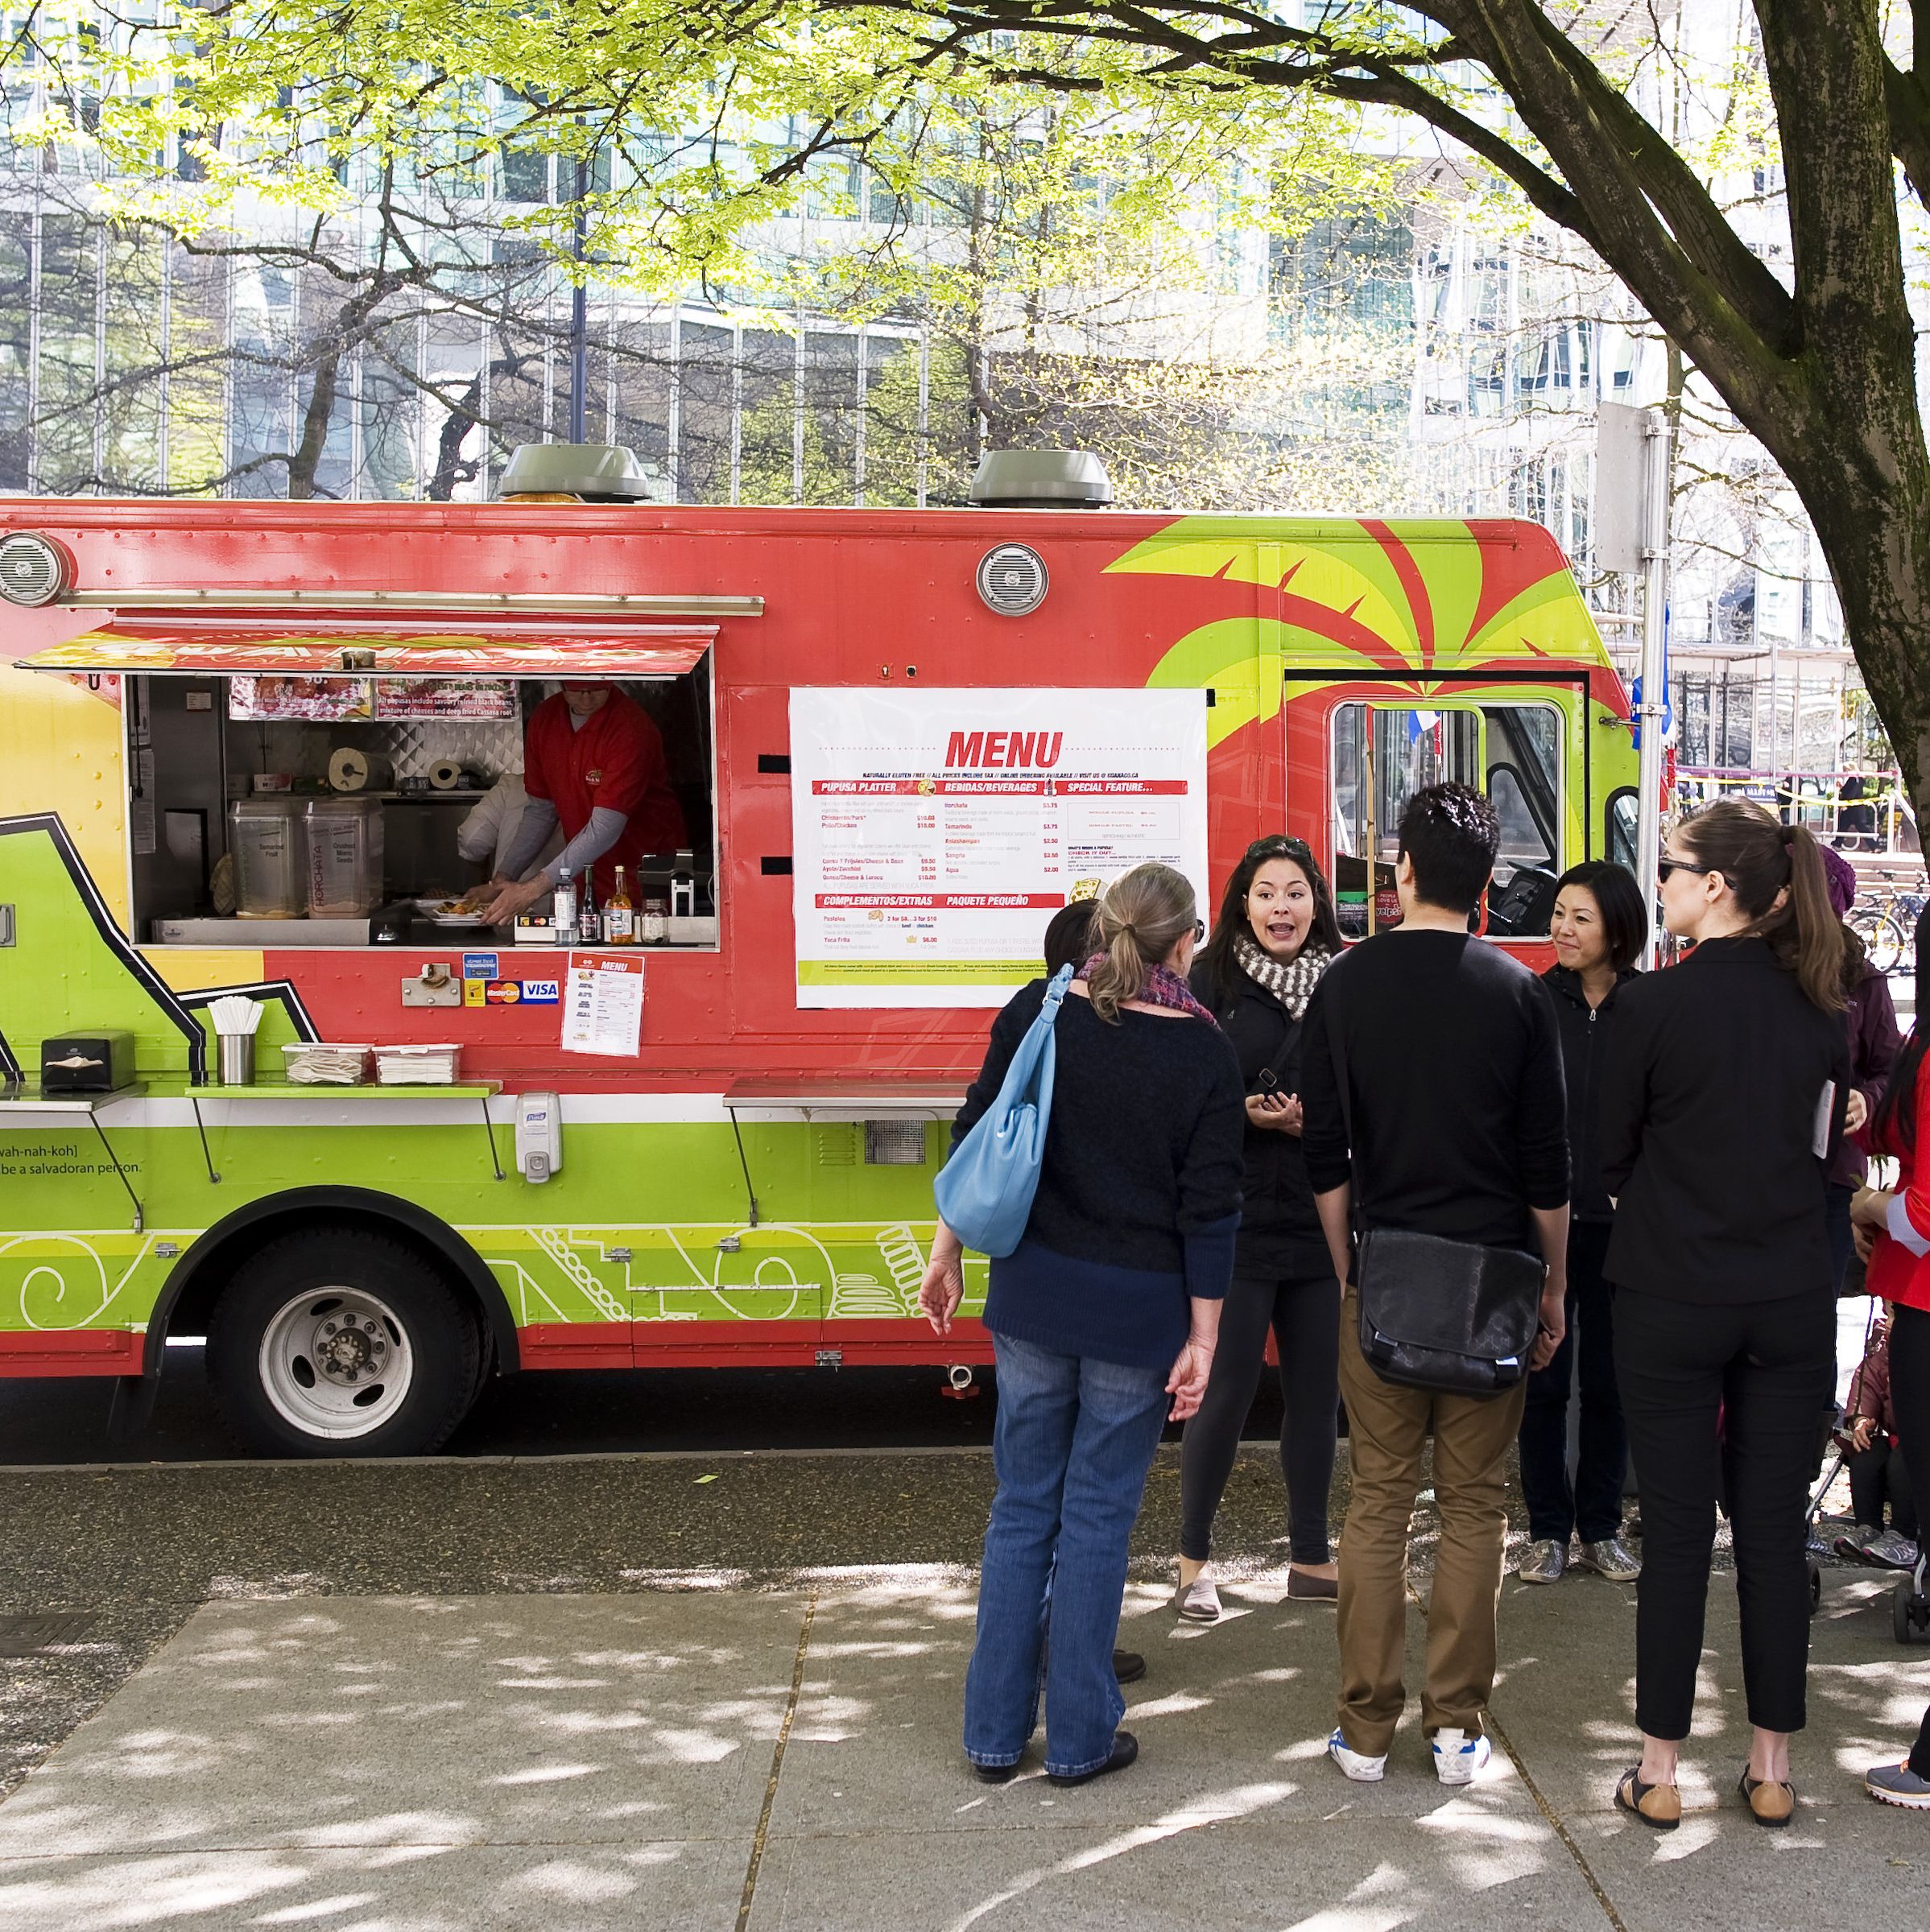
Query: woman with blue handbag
{"x": 1110, "y": 1114}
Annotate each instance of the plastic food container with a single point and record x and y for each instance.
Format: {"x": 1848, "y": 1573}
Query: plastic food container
{"x": 324, "y": 1063}
{"x": 418, "y": 1066}
{"x": 267, "y": 839}
{"x": 345, "y": 857}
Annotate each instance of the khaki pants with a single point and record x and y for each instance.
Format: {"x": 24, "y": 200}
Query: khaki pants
{"x": 1388, "y": 1429}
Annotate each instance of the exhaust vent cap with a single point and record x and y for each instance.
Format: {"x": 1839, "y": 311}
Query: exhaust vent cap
{"x": 34, "y": 569}
{"x": 1012, "y": 580}
{"x": 1041, "y": 479}
{"x": 599, "y": 472}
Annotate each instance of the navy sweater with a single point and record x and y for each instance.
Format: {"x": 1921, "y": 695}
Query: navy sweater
{"x": 1138, "y": 1196}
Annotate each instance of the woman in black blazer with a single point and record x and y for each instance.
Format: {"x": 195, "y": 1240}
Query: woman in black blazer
{"x": 1722, "y": 1095}
{"x": 1276, "y": 934}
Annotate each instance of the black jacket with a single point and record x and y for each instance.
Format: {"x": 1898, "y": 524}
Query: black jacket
{"x": 1585, "y": 1039}
{"x": 1279, "y": 1227}
{"x": 1709, "y": 1101}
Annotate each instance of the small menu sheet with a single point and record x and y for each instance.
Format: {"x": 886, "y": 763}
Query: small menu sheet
{"x": 603, "y": 1009}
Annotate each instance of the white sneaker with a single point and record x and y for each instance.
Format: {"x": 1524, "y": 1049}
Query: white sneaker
{"x": 1362, "y": 1769}
{"x": 1457, "y": 1756}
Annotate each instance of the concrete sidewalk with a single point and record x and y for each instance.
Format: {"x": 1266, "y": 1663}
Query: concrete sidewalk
{"x": 718, "y": 1760}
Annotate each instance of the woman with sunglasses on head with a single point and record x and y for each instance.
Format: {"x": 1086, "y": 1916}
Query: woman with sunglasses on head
{"x": 1276, "y": 934}
{"x": 1722, "y": 1098}
{"x": 1597, "y": 930}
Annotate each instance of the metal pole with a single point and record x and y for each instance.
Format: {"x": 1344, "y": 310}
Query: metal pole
{"x": 1649, "y": 712}
{"x": 579, "y": 315}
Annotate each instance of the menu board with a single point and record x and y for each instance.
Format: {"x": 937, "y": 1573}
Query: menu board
{"x": 935, "y": 833}
{"x": 267, "y": 696}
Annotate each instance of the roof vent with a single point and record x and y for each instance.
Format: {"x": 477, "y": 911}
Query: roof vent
{"x": 597, "y": 473}
{"x": 1041, "y": 479}
{"x": 1012, "y": 580}
{"x": 34, "y": 569}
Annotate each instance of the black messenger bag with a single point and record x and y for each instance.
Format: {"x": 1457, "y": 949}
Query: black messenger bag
{"x": 1456, "y": 1317}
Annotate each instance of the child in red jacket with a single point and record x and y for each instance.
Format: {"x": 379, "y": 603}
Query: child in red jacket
{"x": 1876, "y": 1466}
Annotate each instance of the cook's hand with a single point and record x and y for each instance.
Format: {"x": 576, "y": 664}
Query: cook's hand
{"x": 1856, "y": 1111}
{"x": 1192, "y": 1366}
{"x": 479, "y": 896}
{"x": 513, "y": 899}
{"x": 1554, "y": 1326}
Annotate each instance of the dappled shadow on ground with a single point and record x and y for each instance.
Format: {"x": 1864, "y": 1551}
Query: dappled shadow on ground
{"x": 664, "y": 1757}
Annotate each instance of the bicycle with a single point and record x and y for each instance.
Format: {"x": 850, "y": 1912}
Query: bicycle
{"x": 1884, "y": 917}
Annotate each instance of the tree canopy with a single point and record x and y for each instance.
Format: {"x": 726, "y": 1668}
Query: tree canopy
{"x": 1794, "y": 304}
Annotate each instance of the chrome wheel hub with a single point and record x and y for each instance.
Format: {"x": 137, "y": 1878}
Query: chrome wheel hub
{"x": 336, "y": 1362}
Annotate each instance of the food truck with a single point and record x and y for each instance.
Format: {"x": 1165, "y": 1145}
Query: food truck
{"x": 238, "y": 741}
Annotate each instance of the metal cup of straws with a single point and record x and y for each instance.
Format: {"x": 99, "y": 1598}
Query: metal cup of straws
{"x": 236, "y": 1017}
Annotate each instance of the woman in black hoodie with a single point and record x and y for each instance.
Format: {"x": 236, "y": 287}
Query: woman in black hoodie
{"x": 1598, "y": 930}
{"x": 1275, "y": 935}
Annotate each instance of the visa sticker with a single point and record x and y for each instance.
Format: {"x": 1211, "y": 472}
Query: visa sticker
{"x": 542, "y": 992}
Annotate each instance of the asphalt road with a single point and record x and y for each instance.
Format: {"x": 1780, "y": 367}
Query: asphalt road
{"x": 558, "y": 1413}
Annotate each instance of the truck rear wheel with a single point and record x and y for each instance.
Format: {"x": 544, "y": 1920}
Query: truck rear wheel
{"x": 341, "y": 1342}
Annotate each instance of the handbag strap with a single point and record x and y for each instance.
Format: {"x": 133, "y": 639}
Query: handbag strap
{"x": 1055, "y": 994}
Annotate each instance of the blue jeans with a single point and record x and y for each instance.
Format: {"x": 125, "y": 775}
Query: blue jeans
{"x": 1073, "y": 1443}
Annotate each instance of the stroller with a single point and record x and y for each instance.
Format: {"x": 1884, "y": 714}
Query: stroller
{"x": 1910, "y": 1601}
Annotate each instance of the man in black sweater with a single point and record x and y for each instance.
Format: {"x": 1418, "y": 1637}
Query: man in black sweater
{"x": 1458, "y": 1129}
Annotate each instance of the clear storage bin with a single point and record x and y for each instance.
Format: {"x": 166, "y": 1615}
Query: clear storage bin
{"x": 345, "y": 857}
{"x": 266, "y": 838}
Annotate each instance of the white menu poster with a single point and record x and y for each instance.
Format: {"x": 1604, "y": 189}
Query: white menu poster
{"x": 603, "y": 1004}
{"x": 934, "y": 833}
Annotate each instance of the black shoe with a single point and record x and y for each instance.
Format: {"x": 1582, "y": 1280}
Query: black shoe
{"x": 996, "y": 1774}
{"x": 1129, "y": 1666}
{"x": 1125, "y": 1748}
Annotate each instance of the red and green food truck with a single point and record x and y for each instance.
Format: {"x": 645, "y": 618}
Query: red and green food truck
{"x": 240, "y": 742}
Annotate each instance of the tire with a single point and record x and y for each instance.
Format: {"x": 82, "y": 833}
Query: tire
{"x": 1899, "y": 1610}
{"x": 1884, "y": 940}
{"x": 1815, "y": 1587}
{"x": 405, "y": 1356}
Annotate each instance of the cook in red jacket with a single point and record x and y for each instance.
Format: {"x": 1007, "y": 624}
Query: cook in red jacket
{"x": 593, "y": 761}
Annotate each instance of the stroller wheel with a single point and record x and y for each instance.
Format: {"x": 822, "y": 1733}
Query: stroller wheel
{"x": 1910, "y": 1611}
{"x": 1815, "y": 1587}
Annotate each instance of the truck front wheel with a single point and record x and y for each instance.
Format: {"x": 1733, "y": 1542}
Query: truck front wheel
{"x": 341, "y": 1342}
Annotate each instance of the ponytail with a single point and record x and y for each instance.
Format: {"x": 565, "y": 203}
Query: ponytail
{"x": 1808, "y": 936}
{"x": 1143, "y": 914}
{"x": 1776, "y": 873}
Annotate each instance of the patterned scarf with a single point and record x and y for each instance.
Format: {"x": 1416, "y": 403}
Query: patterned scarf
{"x": 1162, "y": 986}
{"x": 1291, "y": 985}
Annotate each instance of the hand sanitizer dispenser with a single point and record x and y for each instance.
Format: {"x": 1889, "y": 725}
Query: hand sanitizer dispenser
{"x": 539, "y": 1136}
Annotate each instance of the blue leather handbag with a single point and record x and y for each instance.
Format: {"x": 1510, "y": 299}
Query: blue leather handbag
{"x": 985, "y": 1191}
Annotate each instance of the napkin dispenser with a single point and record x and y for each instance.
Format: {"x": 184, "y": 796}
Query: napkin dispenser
{"x": 87, "y": 1063}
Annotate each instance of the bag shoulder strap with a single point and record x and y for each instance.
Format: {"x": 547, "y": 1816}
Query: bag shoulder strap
{"x": 1055, "y": 994}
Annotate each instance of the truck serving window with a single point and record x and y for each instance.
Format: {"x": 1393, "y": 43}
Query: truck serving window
{"x": 1512, "y": 752}
{"x": 270, "y": 809}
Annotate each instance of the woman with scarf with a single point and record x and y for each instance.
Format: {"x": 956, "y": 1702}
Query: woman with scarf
{"x": 1103, "y": 1319}
{"x": 1277, "y": 934}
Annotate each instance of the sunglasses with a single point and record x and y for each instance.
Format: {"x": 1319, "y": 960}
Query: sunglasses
{"x": 1279, "y": 846}
{"x": 1664, "y": 867}
{"x": 1199, "y": 930}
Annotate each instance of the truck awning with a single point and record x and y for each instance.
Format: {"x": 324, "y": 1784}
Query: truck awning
{"x": 215, "y": 647}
